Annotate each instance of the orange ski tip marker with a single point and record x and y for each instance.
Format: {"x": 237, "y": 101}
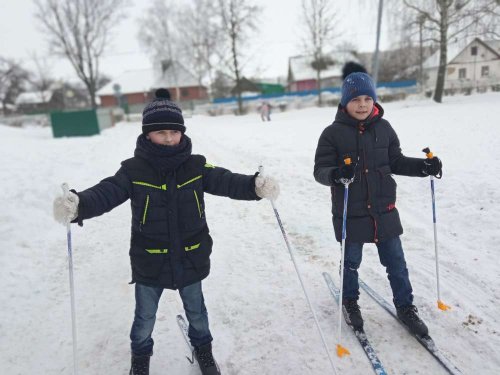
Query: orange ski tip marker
{"x": 341, "y": 351}
{"x": 443, "y": 306}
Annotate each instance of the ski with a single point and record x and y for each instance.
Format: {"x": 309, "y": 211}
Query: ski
{"x": 181, "y": 322}
{"x": 426, "y": 341}
{"x": 183, "y": 326}
{"x": 360, "y": 335}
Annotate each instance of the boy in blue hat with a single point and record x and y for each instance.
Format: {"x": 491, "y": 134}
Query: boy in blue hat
{"x": 170, "y": 245}
{"x": 360, "y": 133}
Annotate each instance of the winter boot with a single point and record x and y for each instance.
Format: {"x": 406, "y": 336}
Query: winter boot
{"x": 409, "y": 316}
{"x": 206, "y": 360}
{"x": 140, "y": 365}
{"x": 352, "y": 314}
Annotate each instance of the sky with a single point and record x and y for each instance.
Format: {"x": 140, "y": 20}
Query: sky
{"x": 278, "y": 38}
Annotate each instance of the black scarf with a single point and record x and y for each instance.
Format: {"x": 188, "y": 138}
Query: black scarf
{"x": 164, "y": 158}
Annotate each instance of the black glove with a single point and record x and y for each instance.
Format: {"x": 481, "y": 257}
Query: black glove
{"x": 345, "y": 171}
{"x": 433, "y": 167}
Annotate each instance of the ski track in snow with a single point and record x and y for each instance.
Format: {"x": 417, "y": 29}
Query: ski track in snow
{"x": 258, "y": 314}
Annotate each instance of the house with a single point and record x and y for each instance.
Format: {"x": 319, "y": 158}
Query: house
{"x": 302, "y": 76}
{"x": 137, "y": 87}
{"x": 59, "y": 97}
{"x": 473, "y": 65}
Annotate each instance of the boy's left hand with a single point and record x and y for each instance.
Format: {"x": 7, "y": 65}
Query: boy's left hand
{"x": 432, "y": 167}
{"x": 267, "y": 187}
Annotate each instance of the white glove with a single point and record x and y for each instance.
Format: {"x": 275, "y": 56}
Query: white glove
{"x": 66, "y": 208}
{"x": 267, "y": 187}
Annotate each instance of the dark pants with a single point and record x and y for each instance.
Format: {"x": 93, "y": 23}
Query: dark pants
{"x": 146, "y": 305}
{"x": 392, "y": 258}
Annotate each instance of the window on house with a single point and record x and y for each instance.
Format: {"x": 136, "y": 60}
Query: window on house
{"x": 473, "y": 51}
{"x": 462, "y": 73}
{"x": 485, "y": 71}
{"x": 184, "y": 92}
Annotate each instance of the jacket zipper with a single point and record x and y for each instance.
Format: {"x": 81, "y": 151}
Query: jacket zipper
{"x": 146, "y": 205}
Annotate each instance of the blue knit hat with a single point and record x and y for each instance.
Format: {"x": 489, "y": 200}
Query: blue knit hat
{"x": 356, "y": 84}
{"x": 161, "y": 114}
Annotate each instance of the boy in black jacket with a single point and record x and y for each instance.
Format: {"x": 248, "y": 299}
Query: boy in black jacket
{"x": 170, "y": 243}
{"x": 360, "y": 133}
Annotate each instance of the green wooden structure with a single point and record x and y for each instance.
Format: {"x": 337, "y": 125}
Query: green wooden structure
{"x": 74, "y": 123}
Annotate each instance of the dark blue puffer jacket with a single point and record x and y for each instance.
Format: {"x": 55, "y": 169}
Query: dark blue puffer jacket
{"x": 373, "y": 144}
{"x": 170, "y": 243}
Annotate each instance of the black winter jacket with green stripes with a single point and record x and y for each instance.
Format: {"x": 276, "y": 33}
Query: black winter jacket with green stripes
{"x": 170, "y": 242}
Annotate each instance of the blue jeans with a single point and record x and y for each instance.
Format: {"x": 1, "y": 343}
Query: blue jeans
{"x": 392, "y": 258}
{"x": 146, "y": 305}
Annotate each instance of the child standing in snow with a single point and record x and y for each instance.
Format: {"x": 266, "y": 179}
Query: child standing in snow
{"x": 265, "y": 111}
{"x": 360, "y": 133}
{"x": 170, "y": 243}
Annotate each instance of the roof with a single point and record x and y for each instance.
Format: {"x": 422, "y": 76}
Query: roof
{"x": 301, "y": 68}
{"x": 34, "y": 97}
{"x": 454, "y": 49}
{"x": 144, "y": 80}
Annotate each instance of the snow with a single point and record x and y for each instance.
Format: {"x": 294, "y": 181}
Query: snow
{"x": 258, "y": 314}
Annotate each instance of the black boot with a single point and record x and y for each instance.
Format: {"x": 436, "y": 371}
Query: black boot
{"x": 140, "y": 365}
{"x": 409, "y": 316}
{"x": 206, "y": 360}
{"x": 352, "y": 314}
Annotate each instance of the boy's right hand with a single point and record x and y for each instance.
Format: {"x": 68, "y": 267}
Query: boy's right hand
{"x": 66, "y": 208}
{"x": 345, "y": 171}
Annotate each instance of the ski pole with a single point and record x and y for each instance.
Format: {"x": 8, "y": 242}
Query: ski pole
{"x": 65, "y": 189}
{"x": 341, "y": 351}
{"x": 289, "y": 247}
{"x": 440, "y": 303}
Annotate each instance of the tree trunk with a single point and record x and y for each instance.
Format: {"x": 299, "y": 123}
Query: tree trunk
{"x": 318, "y": 85}
{"x": 237, "y": 74}
{"x": 443, "y": 52}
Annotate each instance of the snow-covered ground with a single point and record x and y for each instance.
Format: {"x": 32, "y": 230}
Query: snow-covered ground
{"x": 258, "y": 314}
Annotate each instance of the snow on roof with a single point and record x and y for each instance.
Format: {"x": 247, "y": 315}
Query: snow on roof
{"x": 144, "y": 80}
{"x": 34, "y": 97}
{"x": 494, "y": 44}
{"x": 302, "y": 69}
{"x": 454, "y": 50}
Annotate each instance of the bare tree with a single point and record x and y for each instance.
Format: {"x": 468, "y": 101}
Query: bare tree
{"x": 319, "y": 21}
{"x": 79, "y": 30}
{"x": 201, "y": 42}
{"x": 239, "y": 20}
{"x": 41, "y": 79}
{"x": 13, "y": 78}
{"x": 159, "y": 34}
{"x": 447, "y": 20}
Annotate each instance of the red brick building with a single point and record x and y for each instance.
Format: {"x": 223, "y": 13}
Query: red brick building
{"x": 138, "y": 86}
{"x": 302, "y": 77}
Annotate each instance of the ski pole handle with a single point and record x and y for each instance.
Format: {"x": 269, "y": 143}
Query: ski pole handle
{"x": 428, "y": 153}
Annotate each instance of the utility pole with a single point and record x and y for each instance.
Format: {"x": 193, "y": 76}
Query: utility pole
{"x": 375, "y": 63}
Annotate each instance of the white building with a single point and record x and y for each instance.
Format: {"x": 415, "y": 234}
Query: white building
{"x": 475, "y": 65}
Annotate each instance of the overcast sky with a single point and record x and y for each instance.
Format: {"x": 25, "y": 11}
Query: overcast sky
{"x": 279, "y": 36}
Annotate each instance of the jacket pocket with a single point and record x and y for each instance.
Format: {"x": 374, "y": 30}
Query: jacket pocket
{"x": 387, "y": 184}
{"x": 198, "y": 252}
{"x": 148, "y": 260}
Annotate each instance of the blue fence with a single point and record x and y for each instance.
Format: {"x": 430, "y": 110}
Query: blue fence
{"x": 404, "y": 85}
